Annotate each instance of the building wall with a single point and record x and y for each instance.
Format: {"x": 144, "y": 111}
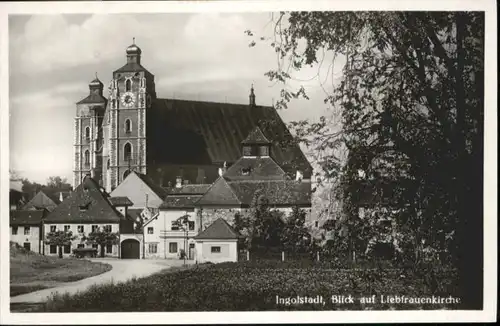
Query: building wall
{"x": 228, "y": 251}
{"x": 33, "y": 237}
{"x": 162, "y": 234}
{"x": 209, "y": 215}
{"x": 87, "y": 228}
{"x": 137, "y": 191}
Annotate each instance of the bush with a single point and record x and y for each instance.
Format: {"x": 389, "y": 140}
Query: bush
{"x": 250, "y": 286}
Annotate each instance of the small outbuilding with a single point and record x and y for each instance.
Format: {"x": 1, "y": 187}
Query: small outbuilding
{"x": 217, "y": 243}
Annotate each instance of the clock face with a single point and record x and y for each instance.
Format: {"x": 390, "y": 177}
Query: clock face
{"x": 128, "y": 99}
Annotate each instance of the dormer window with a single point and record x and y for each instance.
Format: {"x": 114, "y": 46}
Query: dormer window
{"x": 247, "y": 150}
{"x": 84, "y": 207}
{"x": 264, "y": 150}
{"x": 246, "y": 171}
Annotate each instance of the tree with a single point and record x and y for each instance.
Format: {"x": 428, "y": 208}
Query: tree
{"x": 295, "y": 236}
{"x": 102, "y": 237}
{"x": 59, "y": 239}
{"x": 411, "y": 106}
{"x": 263, "y": 226}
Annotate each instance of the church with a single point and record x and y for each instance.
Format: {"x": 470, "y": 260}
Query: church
{"x": 132, "y": 129}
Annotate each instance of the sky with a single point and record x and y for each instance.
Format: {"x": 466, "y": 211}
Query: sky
{"x": 197, "y": 56}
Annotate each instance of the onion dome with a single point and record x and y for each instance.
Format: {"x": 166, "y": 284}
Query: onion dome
{"x": 134, "y": 49}
{"x": 96, "y": 83}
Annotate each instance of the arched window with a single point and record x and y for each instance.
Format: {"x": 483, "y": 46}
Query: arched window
{"x": 127, "y": 152}
{"x": 87, "y": 157}
{"x": 128, "y": 126}
{"x": 128, "y": 85}
{"x": 87, "y": 133}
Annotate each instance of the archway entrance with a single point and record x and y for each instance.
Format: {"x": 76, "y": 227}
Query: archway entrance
{"x": 130, "y": 249}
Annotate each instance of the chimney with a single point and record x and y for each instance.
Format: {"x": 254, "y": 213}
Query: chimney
{"x": 178, "y": 182}
{"x": 223, "y": 169}
{"x": 299, "y": 176}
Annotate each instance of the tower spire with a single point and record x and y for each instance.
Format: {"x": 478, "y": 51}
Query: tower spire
{"x": 133, "y": 40}
{"x": 252, "y": 96}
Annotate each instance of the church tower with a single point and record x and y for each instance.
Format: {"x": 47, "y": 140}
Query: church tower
{"x": 131, "y": 92}
{"x": 88, "y": 135}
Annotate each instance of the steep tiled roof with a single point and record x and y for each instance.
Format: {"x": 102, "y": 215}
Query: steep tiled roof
{"x": 180, "y": 201}
{"x": 87, "y": 204}
{"x": 131, "y": 67}
{"x": 152, "y": 185}
{"x": 27, "y": 217}
{"x": 41, "y": 200}
{"x": 248, "y": 168}
{"x": 219, "y": 229}
{"x": 190, "y": 189}
{"x": 212, "y": 133}
{"x": 120, "y": 201}
{"x": 134, "y": 213}
{"x": 219, "y": 193}
{"x": 288, "y": 192}
{"x": 93, "y": 98}
{"x": 256, "y": 137}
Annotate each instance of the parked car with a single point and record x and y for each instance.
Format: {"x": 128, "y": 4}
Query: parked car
{"x": 85, "y": 252}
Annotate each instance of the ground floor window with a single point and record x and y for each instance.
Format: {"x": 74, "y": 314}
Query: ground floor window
{"x": 53, "y": 249}
{"x": 172, "y": 247}
{"x": 80, "y": 228}
{"x": 153, "y": 248}
{"x": 27, "y": 246}
{"x": 94, "y": 245}
{"x": 80, "y": 245}
{"x": 14, "y": 230}
{"x": 109, "y": 248}
{"x": 215, "y": 249}
{"x": 52, "y": 228}
{"x": 67, "y": 249}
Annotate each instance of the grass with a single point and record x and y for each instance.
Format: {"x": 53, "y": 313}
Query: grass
{"x": 30, "y": 271}
{"x": 251, "y": 286}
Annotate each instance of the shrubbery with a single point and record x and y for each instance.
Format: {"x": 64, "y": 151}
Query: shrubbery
{"x": 252, "y": 286}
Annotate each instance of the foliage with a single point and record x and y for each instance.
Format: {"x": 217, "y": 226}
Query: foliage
{"x": 261, "y": 227}
{"x": 59, "y": 238}
{"x": 102, "y": 237}
{"x": 30, "y": 271}
{"x": 295, "y": 237}
{"x": 55, "y": 184}
{"x": 411, "y": 106}
{"x": 249, "y": 286}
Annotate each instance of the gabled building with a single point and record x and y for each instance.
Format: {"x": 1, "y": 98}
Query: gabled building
{"x": 26, "y": 228}
{"x": 86, "y": 209}
{"x": 145, "y": 197}
{"x": 42, "y": 201}
{"x": 217, "y": 243}
{"x": 165, "y": 236}
{"x": 132, "y": 129}
{"x": 255, "y": 173}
